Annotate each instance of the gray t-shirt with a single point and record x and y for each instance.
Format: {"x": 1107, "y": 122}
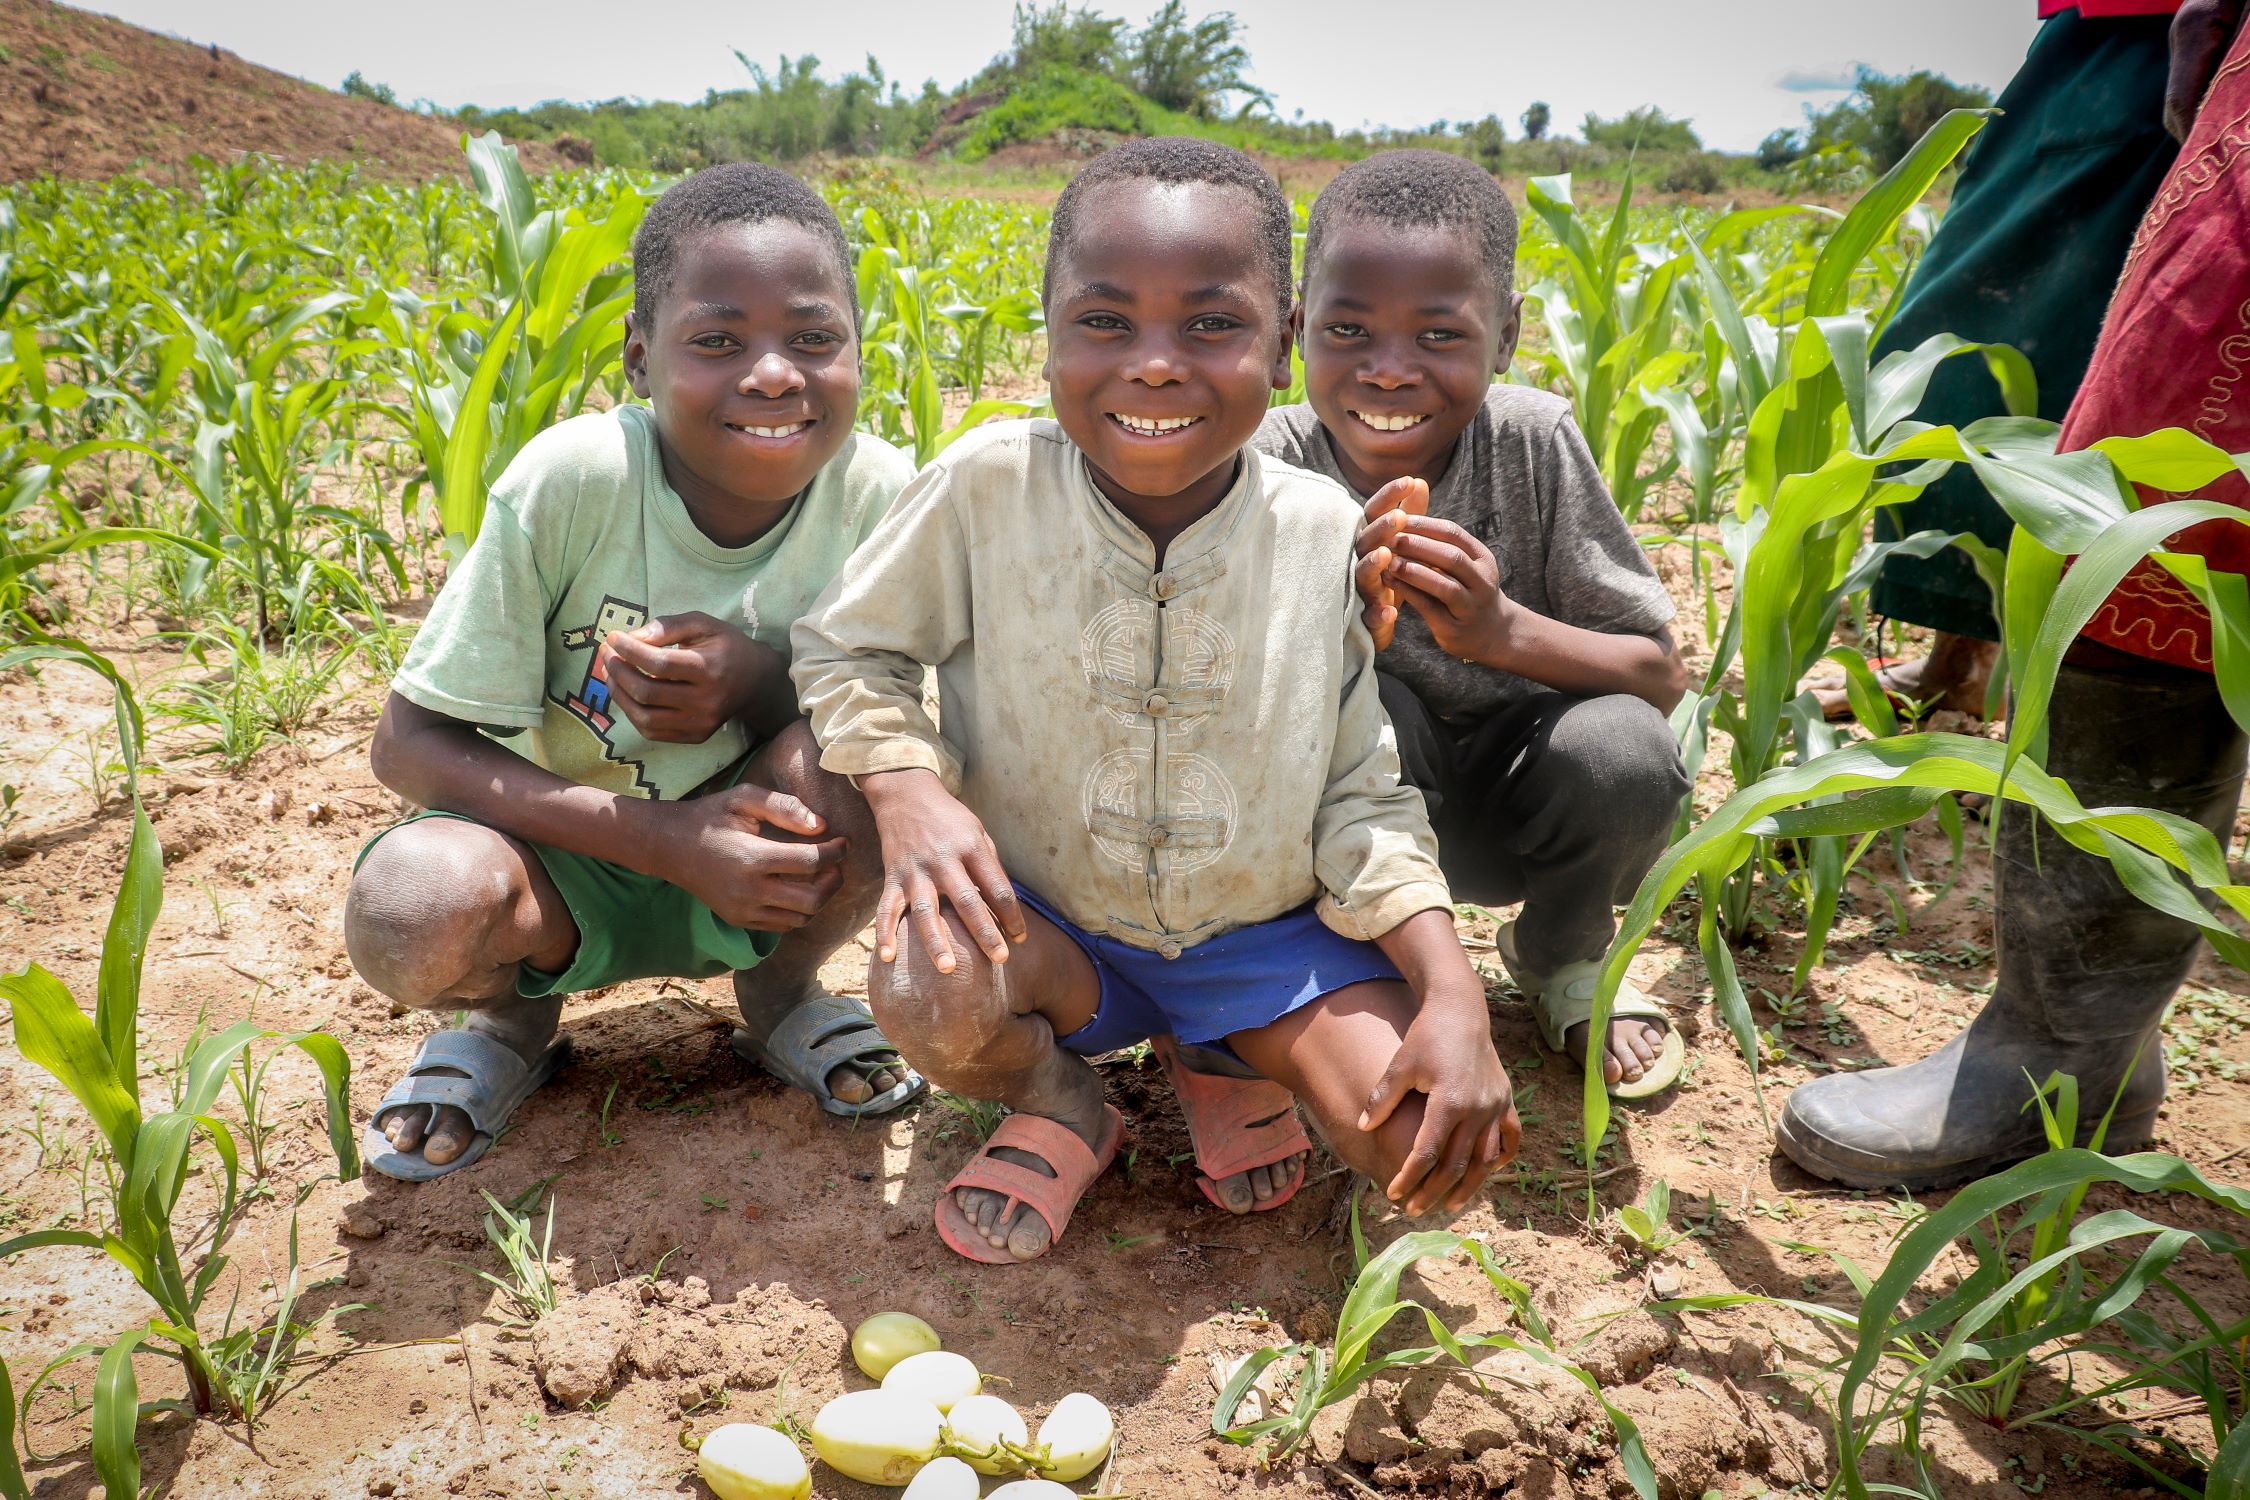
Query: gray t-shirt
{"x": 1525, "y": 484}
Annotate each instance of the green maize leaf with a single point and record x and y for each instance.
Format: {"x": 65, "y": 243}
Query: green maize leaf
{"x": 52, "y": 1032}
{"x": 207, "y": 1072}
{"x": 979, "y": 413}
{"x": 1727, "y": 998}
{"x": 1871, "y": 705}
{"x": 117, "y": 1003}
{"x": 2095, "y": 574}
{"x": 12, "y": 1484}
{"x": 1879, "y": 209}
{"x": 502, "y": 187}
{"x": 130, "y": 728}
{"x": 2172, "y": 459}
{"x": 1933, "y": 1236}
{"x": 461, "y": 484}
{"x": 582, "y": 252}
{"x": 41, "y": 1238}
{"x": 21, "y": 562}
{"x": 1751, "y": 372}
{"x": 117, "y": 1415}
{"x": 1897, "y": 385}
{"x": 1870, "y": 812}
{"x": 2229, "y": 1475}
{"x": 2227, "y": 599}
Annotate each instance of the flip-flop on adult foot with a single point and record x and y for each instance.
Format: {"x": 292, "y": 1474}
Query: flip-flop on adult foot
{"x": 1237, "y": 1126}
{"x": 1054, "y": 1198}
{"x": 484, "y": 1079}
{"x": 824, "y": 1033}
{"x": 1565, "y": 998}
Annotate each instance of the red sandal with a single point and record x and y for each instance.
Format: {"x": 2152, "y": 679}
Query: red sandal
{"x": 1222, "y": 1120}
{"x": 1052, "y": 1198}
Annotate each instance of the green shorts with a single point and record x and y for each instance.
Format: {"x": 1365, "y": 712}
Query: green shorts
{"x": 630, "y": 925}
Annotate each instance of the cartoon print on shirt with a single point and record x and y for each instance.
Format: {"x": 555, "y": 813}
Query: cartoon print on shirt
{"x": 591, "y": 704}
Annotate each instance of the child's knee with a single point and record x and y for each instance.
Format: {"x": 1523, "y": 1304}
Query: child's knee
{"x": 957, "y": 1028}
{"x": 792, "y": 765}
{"x": 1619, "y": 754}
{"x": 425, "y": 907}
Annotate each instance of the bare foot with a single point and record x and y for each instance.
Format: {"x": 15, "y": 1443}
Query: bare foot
{"x": 853, "y": 1083}
{"x": 1953, "y": 676}
{"x": 1021, "y": 1231}
{"x": 1634, "y": 1045}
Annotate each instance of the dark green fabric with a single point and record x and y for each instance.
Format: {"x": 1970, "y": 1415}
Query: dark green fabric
{"x": 630, "y": 925}
{"x": 2030, "y": 249}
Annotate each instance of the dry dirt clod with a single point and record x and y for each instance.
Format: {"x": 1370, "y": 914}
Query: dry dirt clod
{"x": 274, "y": 803}
{"x": 361, "y": 1222}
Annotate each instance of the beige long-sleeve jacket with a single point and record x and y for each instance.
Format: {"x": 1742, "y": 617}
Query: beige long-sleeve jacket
{"x": 1163, "y": 755}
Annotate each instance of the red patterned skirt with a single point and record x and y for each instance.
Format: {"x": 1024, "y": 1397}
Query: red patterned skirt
{"x": 2175, "y": 352}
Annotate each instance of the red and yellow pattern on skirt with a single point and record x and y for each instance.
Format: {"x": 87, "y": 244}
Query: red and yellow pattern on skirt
{"x": 2175, "y": 352}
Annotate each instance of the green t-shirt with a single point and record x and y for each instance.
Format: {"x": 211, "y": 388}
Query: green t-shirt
{"x": 583, "y": 536}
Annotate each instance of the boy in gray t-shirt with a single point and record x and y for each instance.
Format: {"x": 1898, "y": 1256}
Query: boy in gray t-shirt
{"x": 1531, "y": 670}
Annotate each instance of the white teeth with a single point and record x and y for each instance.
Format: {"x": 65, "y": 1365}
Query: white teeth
{"x": 772, "y": 432}
{"x": 1390, "y": 424}
{"x": 1151, "y": 426}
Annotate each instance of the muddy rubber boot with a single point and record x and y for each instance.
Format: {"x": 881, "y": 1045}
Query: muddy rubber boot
{"x": 2085, "y": 969}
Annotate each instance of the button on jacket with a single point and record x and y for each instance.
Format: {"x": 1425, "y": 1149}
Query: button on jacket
{"x": 1163, "y": 754}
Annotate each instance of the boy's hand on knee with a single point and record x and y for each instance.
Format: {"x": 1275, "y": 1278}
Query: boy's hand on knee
{"x": 681, "y": 678}
{"x": 935, "y": 852}
{"x": 1399, "y": 498}
{"x": 721, "y": 853}
{"x": 1469, "y": 1123}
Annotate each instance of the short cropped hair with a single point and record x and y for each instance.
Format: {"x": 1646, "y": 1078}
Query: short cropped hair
{"x": 1434, "y": 189}
{"x": 740, "y": 192}
{"x": 1178, "y": 160}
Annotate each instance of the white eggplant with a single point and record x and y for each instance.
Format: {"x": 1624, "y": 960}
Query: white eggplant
{"x": 944, "y": 1479}
{"x": 877, "y": 1437}
{"x": 742, "y": 1461}
{"x": 885, "y": 1339}
{"x": 1032, "y": 1489}
{"x": 981, "y": 1429}
{"x": 936, "y": 1377}
{"x": 1075, "y": 1437}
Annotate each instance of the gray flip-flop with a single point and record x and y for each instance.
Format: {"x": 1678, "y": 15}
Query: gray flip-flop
{"x": 820, "y": 1035}
{"x": 497, "y": 1083}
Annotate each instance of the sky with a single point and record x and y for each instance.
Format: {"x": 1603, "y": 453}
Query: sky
{"x": 1736, "y": 68}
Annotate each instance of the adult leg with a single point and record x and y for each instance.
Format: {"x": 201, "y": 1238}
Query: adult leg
{"x": 2085, "y": 968}
{"x": 790, "y": 975}
{"x": 2045, "y": 211}
{"x": 443, "y": 914}
{"x": 987, "y": 1031}
{"x": 1579, "y": 801}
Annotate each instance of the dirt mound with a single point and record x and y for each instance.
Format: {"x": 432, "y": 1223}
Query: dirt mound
{"x": 82, "y": 95}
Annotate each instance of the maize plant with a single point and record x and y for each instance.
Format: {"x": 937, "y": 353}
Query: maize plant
{"x": 158, "y": 1239}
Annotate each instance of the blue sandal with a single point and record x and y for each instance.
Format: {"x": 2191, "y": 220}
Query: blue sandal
{"x": 497, "y": 1083}
{"x": 822, "y": 1034}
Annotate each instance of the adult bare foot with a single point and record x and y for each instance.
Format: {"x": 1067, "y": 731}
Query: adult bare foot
{"x": 1953, "y": 676}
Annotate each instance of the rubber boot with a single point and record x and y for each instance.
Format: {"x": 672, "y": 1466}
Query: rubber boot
{"x": 2085, "y": 969}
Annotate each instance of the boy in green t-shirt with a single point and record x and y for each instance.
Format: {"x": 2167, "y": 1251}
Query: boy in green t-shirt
{"x": 598, "y": 712}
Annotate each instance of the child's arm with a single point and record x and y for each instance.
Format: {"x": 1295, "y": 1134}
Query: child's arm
{"x": 1445, "y": 575}
{"x": 714, "y": 847}
{"x": 1469, "y": 1125}
{"x": 1375, "y": 854}
{"x": 904, "y": 601}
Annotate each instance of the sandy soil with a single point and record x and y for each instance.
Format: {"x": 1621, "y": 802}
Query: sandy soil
{"x": 713, "y": 1233}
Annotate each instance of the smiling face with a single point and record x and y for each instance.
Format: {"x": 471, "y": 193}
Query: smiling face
{"x": 752, "y": 367}
{"x": 1403, "y": 331}
{"x": 1165, "y": 339}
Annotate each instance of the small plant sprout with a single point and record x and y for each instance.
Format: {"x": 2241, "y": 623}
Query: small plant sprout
{"x": 527, "y": 1290}
{"x": 1647, "y": 1225}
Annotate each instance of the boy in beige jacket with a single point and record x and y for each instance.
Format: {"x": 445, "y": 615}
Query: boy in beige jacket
{"x": 1161, "y": 718}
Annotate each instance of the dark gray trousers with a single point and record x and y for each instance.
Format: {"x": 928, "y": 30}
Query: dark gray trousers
{"x": 1561, "y": 803}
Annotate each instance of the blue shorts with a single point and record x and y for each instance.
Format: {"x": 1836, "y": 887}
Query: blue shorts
{"x": 1239, "y": 981}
